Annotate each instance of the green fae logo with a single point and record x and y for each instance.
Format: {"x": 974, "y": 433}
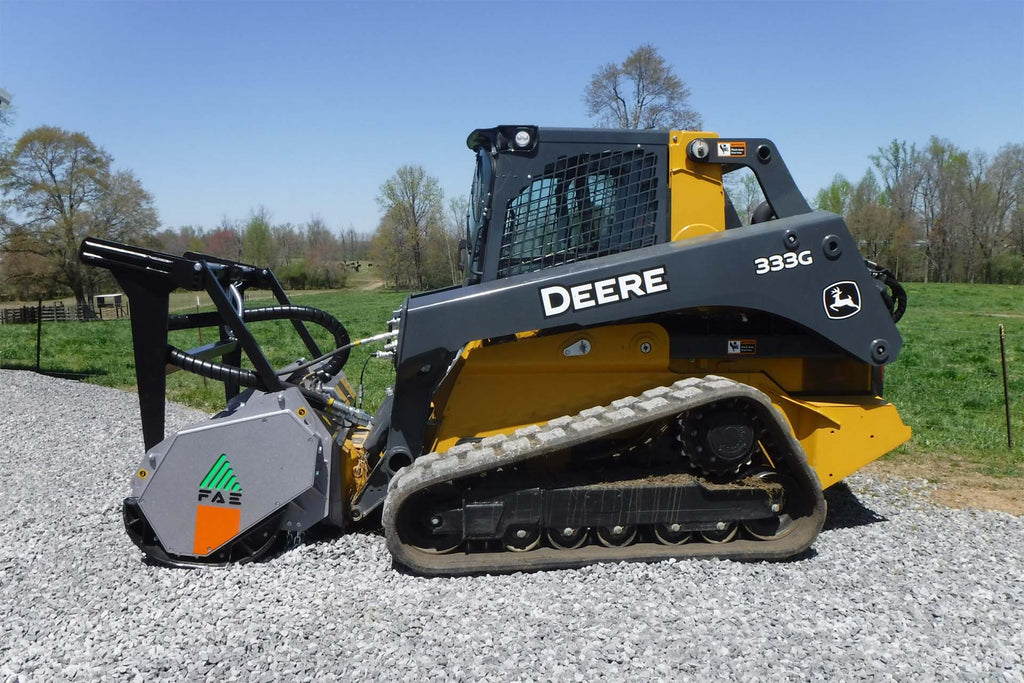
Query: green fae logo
{"x": 220, "y": 486}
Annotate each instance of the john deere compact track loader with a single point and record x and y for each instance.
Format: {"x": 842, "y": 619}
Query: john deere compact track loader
{"x": 628, "y": 373}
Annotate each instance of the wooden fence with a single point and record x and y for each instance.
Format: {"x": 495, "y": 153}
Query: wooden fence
{"x": 57, "y": 312}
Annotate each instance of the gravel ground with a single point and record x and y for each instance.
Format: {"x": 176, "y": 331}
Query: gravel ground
{"x": 895, "y": 587}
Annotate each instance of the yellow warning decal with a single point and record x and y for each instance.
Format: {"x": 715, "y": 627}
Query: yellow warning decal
{"x": 732, "y": 149}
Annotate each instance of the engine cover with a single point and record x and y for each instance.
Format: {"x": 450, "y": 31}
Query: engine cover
{"x": 210, "y": 482}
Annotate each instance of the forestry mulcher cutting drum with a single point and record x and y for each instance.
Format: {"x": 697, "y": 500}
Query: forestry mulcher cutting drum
{"x": 627, "y": 373}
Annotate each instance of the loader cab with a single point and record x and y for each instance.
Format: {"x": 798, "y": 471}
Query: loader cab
{"x": 545, "y": 197}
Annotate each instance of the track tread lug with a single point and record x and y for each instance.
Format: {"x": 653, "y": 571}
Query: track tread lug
{"x": 492, "y": 441}
{"x": 586, "y": 426}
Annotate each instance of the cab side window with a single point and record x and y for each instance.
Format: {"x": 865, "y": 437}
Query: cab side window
{"x": 581, "y": 207}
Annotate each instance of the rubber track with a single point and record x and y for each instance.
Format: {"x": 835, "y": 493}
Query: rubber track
{"x": 591, "y": 424}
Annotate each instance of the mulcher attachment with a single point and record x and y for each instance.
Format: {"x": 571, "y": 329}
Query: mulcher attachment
{"x": 473, "y": 508}
{"x": 220, "y": 491}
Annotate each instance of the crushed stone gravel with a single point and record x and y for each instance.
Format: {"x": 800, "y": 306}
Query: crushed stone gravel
{"x": 895, "y": 587}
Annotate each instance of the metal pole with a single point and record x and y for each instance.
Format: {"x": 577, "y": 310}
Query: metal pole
{"x": 39, "y": 330}
{"x": 1006, "y": 387}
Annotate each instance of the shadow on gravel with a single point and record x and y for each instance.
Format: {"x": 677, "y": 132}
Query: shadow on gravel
{"x": 58, "y": 373}
{"x": 845, "y": 510}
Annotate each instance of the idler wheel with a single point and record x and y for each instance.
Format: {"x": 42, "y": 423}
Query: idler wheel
{"x": 421, "y": 522}
{"x": 781, "y": 524}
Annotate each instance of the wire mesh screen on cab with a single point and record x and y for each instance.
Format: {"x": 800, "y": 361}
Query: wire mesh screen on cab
{"x": 582, "y": 207}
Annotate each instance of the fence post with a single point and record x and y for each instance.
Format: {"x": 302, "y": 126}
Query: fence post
{"x": 1006, "y": 388}
{"x": 39, "y": 330}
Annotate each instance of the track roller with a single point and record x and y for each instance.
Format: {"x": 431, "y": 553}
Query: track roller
{"x": 616, "y": 536}
{"x": 566, "y": 538}
{"x": 671, "y": 534}
{"x": 725, "y": 532}
{"x": 521, "y": 539}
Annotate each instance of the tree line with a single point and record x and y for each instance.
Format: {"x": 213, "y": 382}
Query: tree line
{"x": 305, "y": 256}
{"x": 938, "y": 213}
{"x": 934, "y": 213}
{"x": 58, "y": 187}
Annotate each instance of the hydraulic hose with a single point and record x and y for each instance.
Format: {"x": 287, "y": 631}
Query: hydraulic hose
{"x": 248, "y": 378}
{"x": 216, "y": 371}
{"x": 308, "y": 314}
{"x": 893, "y": 293}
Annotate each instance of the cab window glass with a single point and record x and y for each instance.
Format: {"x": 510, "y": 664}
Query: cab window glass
{"x": 581, "y": 207}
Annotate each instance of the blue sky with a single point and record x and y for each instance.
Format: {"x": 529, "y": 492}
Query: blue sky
{"x": 307, "y": 107}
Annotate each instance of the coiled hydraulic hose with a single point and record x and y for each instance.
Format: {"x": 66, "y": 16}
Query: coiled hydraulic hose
{"x": 893, "y": 294}
{"x": 248, "y": 378}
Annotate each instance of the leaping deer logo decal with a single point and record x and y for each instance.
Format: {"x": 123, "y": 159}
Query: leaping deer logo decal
{"x": 841, "y": 299}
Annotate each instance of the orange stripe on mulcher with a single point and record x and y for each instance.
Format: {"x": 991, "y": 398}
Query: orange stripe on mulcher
{"x": 215, "y": 526}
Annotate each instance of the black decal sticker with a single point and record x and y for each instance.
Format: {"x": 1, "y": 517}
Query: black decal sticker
{"x": 559, "y": 299}
{"x": 841, "y": 299}
{"x": 743, "y": 347}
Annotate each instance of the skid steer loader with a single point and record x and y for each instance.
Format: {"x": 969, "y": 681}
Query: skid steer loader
{"x": 628, "y": 373}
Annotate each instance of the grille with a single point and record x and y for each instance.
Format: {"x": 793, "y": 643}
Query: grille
{"x": 582, "y": 207}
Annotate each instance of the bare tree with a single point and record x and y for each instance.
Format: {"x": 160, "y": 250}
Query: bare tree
{"x": 455, "y": 229}
{"x": 944, "y": 206}
{"x": 900, "y": 169}
{"x": 1005, "y": 180}
{"x": 641, "y": 92}
{"x": 288, "y": 243}
{"x": 744, "y": 192}
{"x": 6, "y": 118}
{"x": 324, "y": 254}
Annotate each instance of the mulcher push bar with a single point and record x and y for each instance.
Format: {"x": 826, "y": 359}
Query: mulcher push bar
{"x": 148, "y": 277}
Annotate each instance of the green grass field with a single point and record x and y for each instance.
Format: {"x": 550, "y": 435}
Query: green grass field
{"x": 947, "y": 382}
{"x": 103, "y": 350}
